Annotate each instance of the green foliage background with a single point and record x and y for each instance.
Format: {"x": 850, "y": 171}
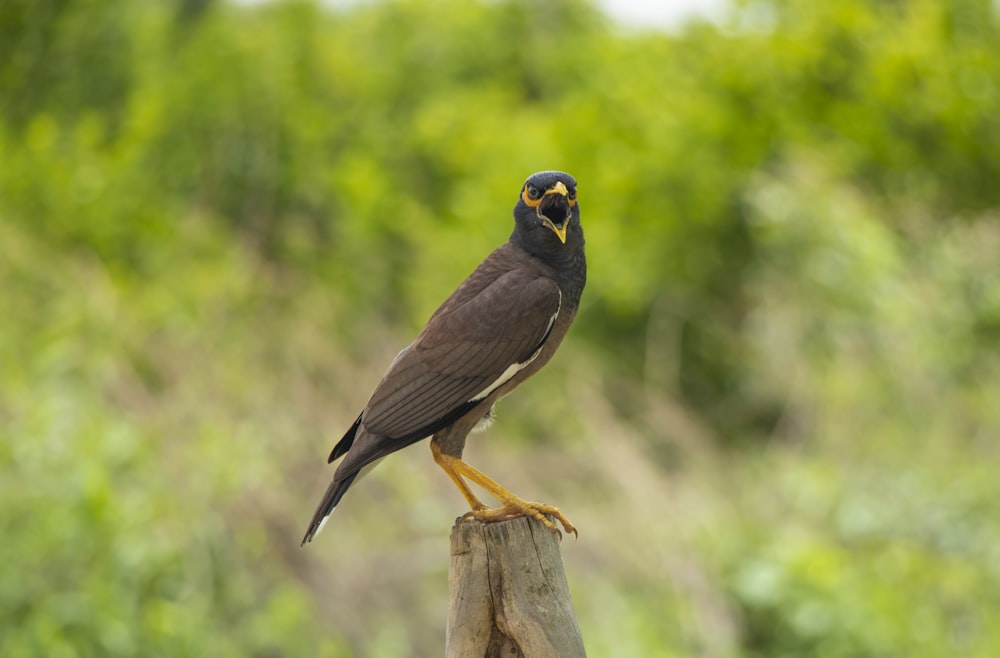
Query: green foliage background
{"x": 775, "y": 421}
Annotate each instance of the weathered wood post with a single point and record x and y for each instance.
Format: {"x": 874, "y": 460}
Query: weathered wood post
{"x": 509, "y": 595}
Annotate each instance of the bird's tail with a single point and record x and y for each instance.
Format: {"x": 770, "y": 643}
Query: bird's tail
{"x": 330, "y": 499}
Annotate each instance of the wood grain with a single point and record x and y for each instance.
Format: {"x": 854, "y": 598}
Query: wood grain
{"x": 508, "y": 593}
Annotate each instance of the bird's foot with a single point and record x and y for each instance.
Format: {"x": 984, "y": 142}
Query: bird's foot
{"x": 515, "y": 508}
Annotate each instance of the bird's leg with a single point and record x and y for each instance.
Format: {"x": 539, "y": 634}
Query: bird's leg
{"x": 445, "y": 461}
{"x": 513, "y": 507}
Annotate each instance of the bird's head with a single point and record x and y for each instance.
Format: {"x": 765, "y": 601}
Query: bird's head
{"x": 548, "y": 200}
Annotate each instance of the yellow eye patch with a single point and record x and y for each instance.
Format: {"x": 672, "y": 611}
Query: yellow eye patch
{"x": 558, "y": 188}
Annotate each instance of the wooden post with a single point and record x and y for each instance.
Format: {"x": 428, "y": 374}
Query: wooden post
{"x": 509, "y": 595}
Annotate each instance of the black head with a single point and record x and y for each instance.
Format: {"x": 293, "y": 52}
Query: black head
{"x": 547, "y": 213}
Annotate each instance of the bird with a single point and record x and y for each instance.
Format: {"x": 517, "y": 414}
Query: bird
{"x": 499, "y": 327}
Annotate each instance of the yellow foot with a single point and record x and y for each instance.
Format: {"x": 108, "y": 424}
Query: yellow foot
{"x": 513, "y": 507}
{"x": 516, "y": 508}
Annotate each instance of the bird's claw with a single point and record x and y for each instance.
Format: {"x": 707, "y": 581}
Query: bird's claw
{"x": 515, "y": 509}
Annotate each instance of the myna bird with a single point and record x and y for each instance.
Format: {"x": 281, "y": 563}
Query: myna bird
{"x": 497, "y": 329}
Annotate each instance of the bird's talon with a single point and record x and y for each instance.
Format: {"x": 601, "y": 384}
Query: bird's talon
{"x": 547, "y": 515}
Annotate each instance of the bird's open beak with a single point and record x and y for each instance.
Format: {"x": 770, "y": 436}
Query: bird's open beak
{"x": 555, "y": 210}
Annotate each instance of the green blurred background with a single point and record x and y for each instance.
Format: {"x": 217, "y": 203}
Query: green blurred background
{"x": 775, "y": 421}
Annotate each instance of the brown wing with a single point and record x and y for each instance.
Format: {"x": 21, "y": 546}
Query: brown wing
{"x": 492, "y": 322}
{"x": 466, "y": 347}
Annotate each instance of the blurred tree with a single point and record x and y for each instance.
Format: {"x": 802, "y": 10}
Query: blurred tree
{"x": 64, "y": 57}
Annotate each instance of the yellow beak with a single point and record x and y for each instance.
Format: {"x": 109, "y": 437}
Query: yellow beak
{"x": 558, "y": 188}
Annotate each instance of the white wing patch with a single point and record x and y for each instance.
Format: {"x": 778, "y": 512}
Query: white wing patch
{"x": 515, "y": 368}
{"x": 505, "y": 377}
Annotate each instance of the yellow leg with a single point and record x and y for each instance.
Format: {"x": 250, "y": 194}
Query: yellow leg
{"x": 445, "y": 461}
{"x": 513, "y": 507}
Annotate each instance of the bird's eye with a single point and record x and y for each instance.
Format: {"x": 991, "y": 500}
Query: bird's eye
{"x": 534, "y": 192}
{"x": 572, "y": 193}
